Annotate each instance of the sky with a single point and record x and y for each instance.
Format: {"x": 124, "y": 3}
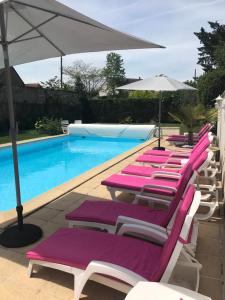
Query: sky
{"x": 170, "y": 23}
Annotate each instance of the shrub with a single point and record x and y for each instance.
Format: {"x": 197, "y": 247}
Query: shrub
{"x": 48, "y": 126}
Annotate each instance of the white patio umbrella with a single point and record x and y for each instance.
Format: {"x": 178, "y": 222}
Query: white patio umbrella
{"x": 159, "y": 83}
{"x": 32, "y": 30}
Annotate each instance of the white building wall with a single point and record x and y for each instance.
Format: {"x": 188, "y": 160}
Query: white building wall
{"x": 221, "y": 135}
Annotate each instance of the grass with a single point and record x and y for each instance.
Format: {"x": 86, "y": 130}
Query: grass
{"x": 23, "y": 135}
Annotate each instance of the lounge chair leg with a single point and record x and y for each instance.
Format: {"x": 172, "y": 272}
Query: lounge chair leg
{"x": 30, "y": 269}
{"x": 113, "y": 194}
{"x": 78, "y": 285}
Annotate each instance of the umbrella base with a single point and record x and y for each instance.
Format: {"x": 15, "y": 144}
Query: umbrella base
{"x": 159, "y": 148}
{"x": 15, "y": 238}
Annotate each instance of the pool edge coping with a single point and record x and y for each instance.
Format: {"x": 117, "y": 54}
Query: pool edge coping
{"x": 34, "y": 204}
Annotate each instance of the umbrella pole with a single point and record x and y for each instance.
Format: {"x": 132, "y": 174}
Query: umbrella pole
{"x": 159, "y": 126}
{"x": 24, "y": 232}
{"x": 61, "y": 71}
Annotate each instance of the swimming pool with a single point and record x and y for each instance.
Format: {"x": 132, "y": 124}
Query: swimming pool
{"x": 48, "y": 163}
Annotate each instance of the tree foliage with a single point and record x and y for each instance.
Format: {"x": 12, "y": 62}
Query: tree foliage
{"x": 55, "y": 84}
{"x": 212, "y": 46}
{"x": 144, "y": 94}
{"x": 91, "y": 77}
{"x": 114, "y": 72}
{"x": 190, "y": 116}
{"x": 210, "y": 85}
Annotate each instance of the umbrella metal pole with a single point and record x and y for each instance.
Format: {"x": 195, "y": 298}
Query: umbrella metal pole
{"x": 61, "y": 71}
{"x": 159, "y": 125}
{"x": 19, "y": 207}
{"x": 22, "y": 234}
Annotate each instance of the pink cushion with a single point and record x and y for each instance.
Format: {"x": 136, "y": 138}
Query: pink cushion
{"x": 200, "y": 160}
{"x": 181, "y": 139}
{"x": 145, "y": 171}
{"x": 157, "y": 159}
{"x": 135, "y": 183}
{"x": 78, "y": 247}
{"x": 175, "y": 232}
{"x": 167, "y": 153}
{"x": 158, "y": 152}
{"x": 107, "y": 212}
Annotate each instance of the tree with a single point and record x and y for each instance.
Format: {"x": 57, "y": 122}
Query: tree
{"x": 210, "y": 85}
{"x": 52, "y": 83}
{"x": 81, "y": 93}
{"x": 55, "y": 84}
{"x": 189, "y": 116}
{"x": 144, "y": 94}
{"x": 91, "y": 77}
{"x": 114, "y": 72}
{"x": 211, "y": 42}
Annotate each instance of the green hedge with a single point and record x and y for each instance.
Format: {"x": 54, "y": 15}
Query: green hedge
{"x": 55, "y": 105}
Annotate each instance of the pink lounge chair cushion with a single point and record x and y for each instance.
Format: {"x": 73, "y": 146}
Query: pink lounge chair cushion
{"x": 136, "y": 183}
{"x": 175, "y": 232}
{"x": 78, "y": 247}
{"x": 107, "y": 212}
{"x": 181, "y": 139}
{"x": 157, "y": 159}
{"x": 166, "y": 153}
{"x": 146, "y": 171}
{"x": 158, "y": 152}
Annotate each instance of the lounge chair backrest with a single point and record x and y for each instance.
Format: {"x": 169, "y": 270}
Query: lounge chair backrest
{"x": 203, "y": 138}
{"x": 187, "y": 178}
{"x": 204, "y": 129}
{"x": 182, "y": 185}
{"x": 203, "y": 143}
{"x": 200, "y": 161}
{"x": 178, "y": 234}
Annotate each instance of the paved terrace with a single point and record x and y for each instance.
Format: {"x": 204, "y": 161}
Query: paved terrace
{"x": 51, "y": 284}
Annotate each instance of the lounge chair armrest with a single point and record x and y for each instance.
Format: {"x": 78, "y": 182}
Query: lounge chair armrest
{"x": 149, "y": 233}
{"x": 112, "y": 270}
{"x": 165, "y": 174}
{"x": 206, "y": 188}
{"x": 127, "y": 220}
{"x": 156, "y": 186}
{"x": 151, "y": 200}
{"x": 98, "y": 268}
{"x": 173, "y": 159}
{"x": 183, "y": 150}
{"x": 170, "y": 166}
{"x": 179, "y": 154}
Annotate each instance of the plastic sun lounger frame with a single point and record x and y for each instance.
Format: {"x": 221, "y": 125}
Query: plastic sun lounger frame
{"x": 200, "y": 133}
{"x": 143, "y": 194}
{"x": 180, "y": 153}
{"x": 159, "y": 290}
{"x": 183, "y": 141}
{"x": 104, "y": 272}
{"x": 129, "y": 220}
{"x": 171, "y": 161}
{"x": 121, "y": 220}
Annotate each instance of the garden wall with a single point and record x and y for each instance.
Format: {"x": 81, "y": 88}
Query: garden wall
{"x": 33, "y": 103}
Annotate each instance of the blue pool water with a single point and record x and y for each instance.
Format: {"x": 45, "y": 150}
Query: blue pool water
{"x": 46, "y": 164}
